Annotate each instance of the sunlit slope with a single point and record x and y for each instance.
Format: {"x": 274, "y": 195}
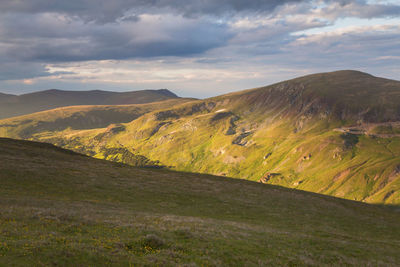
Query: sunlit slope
{"x": 62, "y": 208}
{"x": 332, "y": 133}
{"x": 13, "y": 105}
{"x": 79, "y": 118}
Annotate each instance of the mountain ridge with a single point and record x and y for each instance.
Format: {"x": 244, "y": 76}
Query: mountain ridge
{"x": 54, "y": 90}
{"x": 16, "y": 105}
{"x": 322, "y": 91}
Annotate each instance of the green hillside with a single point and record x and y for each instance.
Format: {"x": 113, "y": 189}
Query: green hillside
{"x": 331, "y": 133}
{"x": 62, "y": 208}
{"x": 79, "y": 118}
{"x": 13, "y": 105}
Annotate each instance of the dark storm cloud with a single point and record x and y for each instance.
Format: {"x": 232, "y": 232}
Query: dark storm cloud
{"x": 111, "y": 10}
{"x": 51, "y": 39}
{"x": 17, "y": 71}
{"x": 25, "y": 70}
{"x": 104, "y": 11}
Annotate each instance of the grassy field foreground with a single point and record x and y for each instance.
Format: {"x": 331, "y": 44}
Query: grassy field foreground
{"x": 61, "y": 208}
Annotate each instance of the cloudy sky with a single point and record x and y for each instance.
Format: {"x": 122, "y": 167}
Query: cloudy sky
{"x": 195, "y": 48}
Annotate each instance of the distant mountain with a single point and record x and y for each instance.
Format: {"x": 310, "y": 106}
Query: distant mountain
{"x": 12, "y": 105}
{"x": 333, "y": 133}
{"x": 62, "y": 208}
{"x": 4, "y": 98}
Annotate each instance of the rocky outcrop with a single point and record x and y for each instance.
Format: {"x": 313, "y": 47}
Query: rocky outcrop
{"x": 239, "y": 140}
{"x": 165, "y": 115}
{"x": 219, "y": 116}
{"x": 232, "y": 126}
{"x": 267, "y": 177}
{"x": 158, "y": 126}
{"x": 268, "y": 155}
{"x": 116, "y": 128}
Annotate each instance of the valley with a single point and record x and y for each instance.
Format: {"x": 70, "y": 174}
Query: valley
{"x": 332, "y": 133}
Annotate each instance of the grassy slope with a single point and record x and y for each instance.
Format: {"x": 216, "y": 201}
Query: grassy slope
{"x": 366, "y": 171}
{"x": 60, "y": 208}
{"x": 292, "y": 133}
{"x": 69, "y": 121}
{"x": 79, "y": 118}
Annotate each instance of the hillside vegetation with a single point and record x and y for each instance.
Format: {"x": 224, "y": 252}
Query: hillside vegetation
{"x": 62, "y": 208}
{"x": 331, "y": 133}
{"x": 13, "y": 105}
{"x": 79, "y": 118}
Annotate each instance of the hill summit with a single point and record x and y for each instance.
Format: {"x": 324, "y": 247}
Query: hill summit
{"x": 346, "y": 95}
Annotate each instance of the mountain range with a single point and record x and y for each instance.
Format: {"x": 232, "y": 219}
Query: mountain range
{"x": 332, "y": 133}
{"x": 13, "y": 105}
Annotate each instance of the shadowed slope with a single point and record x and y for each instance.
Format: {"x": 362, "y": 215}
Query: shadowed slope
{"x": 63, "y": 208}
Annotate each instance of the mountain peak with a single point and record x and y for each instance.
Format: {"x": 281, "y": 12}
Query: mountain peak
{"x": 339, "y": 73}
{"x": 346, "y": 94}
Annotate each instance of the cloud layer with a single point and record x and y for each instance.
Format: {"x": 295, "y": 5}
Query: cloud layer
{"x": 103, "y": 11}
{"x": 177, "y": 43}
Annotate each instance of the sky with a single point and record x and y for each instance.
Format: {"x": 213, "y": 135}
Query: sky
{"x": 194, "y": 48}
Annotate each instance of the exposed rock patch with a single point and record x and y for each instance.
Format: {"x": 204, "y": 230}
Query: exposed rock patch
{"x": 220, "y": 115}
{"x": 298, "y": 183}
{"x": 204, "y": 106}
{"x": 394, "y": 174}
{"x": 268, "y": 155}
{"x": 167, "y": 114}
{"x": 267, "y": 177}
{"x": 158, "y": 126}
{"x": 388, "y": 194}
{"x": 239, "y": 140}
{"x": 164, "y": 139}
{"x": 232, "y": 126}
{"x": 115, "y": 128}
